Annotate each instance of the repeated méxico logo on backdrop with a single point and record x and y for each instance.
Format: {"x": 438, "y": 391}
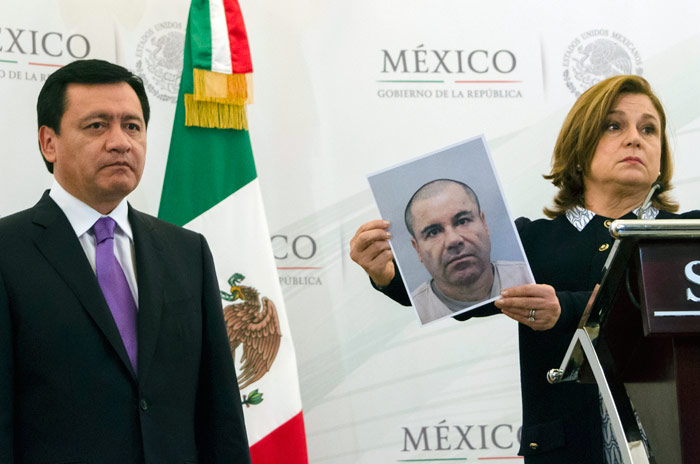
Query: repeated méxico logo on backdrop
{"x": 297, "y": 260}
{"x": 499, "y": 73}
{"x": 596, "y": 55}
{"x": 31, "y": 55}
{"x": 424, "y": 72}
{"x": 159, "y": 59}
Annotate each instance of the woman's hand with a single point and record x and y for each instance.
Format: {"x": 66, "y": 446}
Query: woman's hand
{"x": 534, "y": 305}
{"x": 370, "y": 249}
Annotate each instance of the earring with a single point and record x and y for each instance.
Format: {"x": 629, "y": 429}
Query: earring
{"x": 578, "y": 168}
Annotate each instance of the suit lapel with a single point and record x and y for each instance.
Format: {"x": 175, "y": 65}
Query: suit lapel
{"x": 56, "y": 240}
{"x": 149, "y": 275}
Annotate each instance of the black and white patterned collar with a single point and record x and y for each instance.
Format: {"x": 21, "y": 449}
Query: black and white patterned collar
{"x": 579, "y": 216}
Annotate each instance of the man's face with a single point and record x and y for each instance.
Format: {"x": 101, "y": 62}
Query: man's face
{"x": 101, "y": 150}
{"x": 451, "y": 237}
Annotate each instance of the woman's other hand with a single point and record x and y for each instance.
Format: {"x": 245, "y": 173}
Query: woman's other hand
{"x": 534, "y": 305}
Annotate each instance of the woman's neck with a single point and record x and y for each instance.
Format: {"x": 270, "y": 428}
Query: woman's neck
{"x": 614, "y": 204}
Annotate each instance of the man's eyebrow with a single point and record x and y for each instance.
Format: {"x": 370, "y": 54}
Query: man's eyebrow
{"x": 95, "y": 115}
{"x": 108, "y": 116}
{"x": 132, "y": 117}
{"x": 428, "y": 227}
{"x": 466, "y": 212}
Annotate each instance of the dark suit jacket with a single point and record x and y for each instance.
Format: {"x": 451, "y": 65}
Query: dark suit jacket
{"x": 67, "y": 390}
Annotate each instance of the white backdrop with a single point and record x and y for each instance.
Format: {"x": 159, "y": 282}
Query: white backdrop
{"x": 328, "y": 109}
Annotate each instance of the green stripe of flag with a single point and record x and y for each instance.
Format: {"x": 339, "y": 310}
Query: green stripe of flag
{"x": 204, "y": 165}
{"x": 199, "y": 23}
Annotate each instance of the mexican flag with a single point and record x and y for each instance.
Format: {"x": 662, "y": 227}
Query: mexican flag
{"x": 211, "y": 186}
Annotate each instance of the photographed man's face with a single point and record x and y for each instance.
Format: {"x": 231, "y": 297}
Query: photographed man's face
{"x": 451, "y": 237}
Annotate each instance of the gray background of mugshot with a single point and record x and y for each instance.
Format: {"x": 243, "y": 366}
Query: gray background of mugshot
{"x": 466, "y": 162}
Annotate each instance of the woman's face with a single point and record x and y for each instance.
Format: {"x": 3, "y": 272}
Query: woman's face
{"x": 628, "y": 155}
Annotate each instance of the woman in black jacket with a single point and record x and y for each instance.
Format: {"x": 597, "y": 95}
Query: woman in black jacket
{"x": 611, "y": 149}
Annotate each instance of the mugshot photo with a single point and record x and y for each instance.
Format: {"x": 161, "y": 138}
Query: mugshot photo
{"x": 452, "y": 235}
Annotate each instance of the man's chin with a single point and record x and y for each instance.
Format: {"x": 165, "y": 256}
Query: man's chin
{"x": 117, "y": 190}
{"x": 466, "y": 275}
{"x": 122, "y": 184}
{"x": 464, "y": 279}
{"x": 464, "y": 264}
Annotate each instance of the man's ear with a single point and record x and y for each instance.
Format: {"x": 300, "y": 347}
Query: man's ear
{"x": 47, "y": 142}
{"x": 415, "y": 247}
{"x": 483, "y": 219}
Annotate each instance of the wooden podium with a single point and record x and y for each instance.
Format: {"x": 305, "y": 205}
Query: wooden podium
{"x": 639, "y": 340}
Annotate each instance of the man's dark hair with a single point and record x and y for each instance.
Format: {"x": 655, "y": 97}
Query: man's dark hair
{"x": 428, "y": 190}
{"x": 52, "y": 99}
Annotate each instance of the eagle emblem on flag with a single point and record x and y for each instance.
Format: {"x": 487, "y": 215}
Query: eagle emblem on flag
{"x": 251, "y": 321}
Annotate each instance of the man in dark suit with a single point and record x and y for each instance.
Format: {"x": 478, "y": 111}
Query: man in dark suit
{"x": 112, "y": 342}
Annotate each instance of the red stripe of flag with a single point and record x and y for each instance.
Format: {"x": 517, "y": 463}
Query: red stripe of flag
{"x": 238, "y": 40}
{"x": 286, "y": 444}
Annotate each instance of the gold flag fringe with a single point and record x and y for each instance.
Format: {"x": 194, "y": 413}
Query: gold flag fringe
{"x": 235, "y": 89}
{"x": 219, "y": 100}
{"x": 212, "y": 114}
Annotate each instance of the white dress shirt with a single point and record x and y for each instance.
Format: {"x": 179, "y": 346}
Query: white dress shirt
{"x": 82, "y": 217}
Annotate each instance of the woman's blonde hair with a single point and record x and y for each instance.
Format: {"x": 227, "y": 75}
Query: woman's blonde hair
{"x": 579, "y": 137}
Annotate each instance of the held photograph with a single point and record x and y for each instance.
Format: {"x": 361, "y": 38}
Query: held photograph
{"x": 453, "y": 238}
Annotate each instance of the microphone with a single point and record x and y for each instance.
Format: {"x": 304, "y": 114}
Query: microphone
{"x": 656, "y": 186}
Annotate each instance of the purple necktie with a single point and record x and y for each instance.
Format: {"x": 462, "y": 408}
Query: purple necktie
{"x": 115, "y": 287}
